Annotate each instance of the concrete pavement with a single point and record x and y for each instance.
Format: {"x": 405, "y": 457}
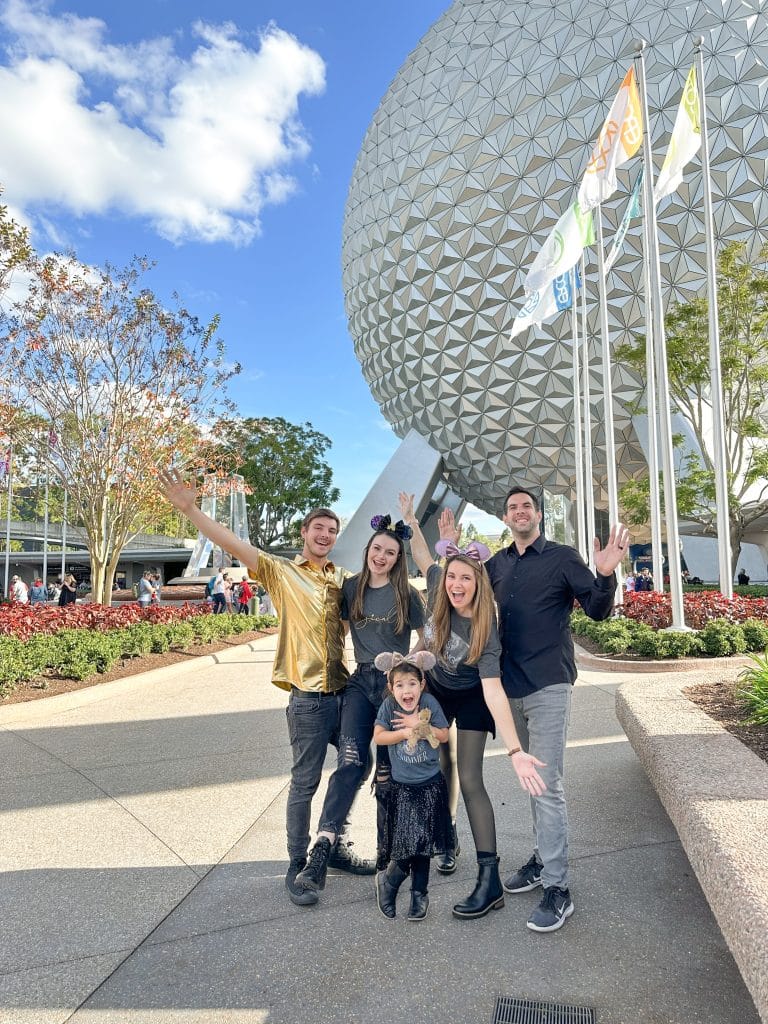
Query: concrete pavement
{"x": 142, "y": 855}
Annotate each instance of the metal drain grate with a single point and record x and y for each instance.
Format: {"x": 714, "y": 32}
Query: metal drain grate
{"x": 530, "y": 1011}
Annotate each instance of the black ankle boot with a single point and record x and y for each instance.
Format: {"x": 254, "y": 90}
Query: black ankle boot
{"x": 446, "y": 862}
{"x": 419, "y": 906}
{"x": 487, "y": 894}
{"x": 388, "y": 884}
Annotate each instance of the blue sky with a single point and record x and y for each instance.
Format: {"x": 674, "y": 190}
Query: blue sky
{"x": 219, "y": 140}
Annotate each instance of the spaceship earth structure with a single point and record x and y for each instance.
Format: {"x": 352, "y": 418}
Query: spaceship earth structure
{"x": 476, "y": 149}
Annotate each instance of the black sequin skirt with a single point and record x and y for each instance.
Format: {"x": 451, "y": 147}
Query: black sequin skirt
{"x": 418, "y": 819}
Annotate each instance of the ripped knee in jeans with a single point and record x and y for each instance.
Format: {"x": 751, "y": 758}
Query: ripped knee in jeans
{"x": 348, "y": 752}
{"x": 381, "y": 780}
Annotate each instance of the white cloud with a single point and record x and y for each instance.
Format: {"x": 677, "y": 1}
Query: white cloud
{"x": 198, "y": 145}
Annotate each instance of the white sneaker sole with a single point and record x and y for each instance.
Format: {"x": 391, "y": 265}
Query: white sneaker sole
{"x": 557, "y": 925}
{"x": 523, "y": 888}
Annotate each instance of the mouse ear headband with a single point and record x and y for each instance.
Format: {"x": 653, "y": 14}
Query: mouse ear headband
{"x": 423, "y": 660}
{"x": 400, "y": 529}
{"x": 475, "y": 550}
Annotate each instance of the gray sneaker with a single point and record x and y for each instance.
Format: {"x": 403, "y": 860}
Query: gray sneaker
{"x": 527, "y": 878}
{"x": 298, "y": 893}
{"x": 554, "y": 910}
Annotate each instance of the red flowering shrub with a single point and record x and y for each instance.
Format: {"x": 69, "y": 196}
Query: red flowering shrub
{"x": 24, "y": 621}
{"x": 655, "y": 609}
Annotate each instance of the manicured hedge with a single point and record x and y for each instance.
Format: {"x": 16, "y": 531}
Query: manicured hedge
{"x": 98, "y": 637}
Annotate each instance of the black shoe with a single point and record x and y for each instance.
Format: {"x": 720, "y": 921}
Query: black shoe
{"x": 554, "y": 910}
{"x": 446, "y": 862}
{"x": 487, "y": 894}
{"x": 343, "y": 858}
{"x": 313, "y": 875}
{"x": 527, "y": 878}
{"x": 419, "y": 906}
{"x": 298, "y": 894}
{"x": 388, "y": 884}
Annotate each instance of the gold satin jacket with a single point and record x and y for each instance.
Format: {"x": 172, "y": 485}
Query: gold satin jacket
{"x": 310, "y": 642}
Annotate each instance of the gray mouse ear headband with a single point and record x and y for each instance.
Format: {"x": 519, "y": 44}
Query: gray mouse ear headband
{"x": 385, "y": 662}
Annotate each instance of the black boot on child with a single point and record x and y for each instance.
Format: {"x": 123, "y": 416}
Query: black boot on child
{"x": 388, "y": 884}
{"x": 488, "y": 893}
{"x": 419, "y": 906}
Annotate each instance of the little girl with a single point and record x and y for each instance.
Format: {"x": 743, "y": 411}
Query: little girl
{"x": 411, "y": 723}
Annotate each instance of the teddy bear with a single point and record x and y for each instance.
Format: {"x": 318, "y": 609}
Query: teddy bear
{"x": 422, "y": 731}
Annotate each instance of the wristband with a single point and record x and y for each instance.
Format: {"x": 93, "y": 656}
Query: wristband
{"x": 513, "y": 751}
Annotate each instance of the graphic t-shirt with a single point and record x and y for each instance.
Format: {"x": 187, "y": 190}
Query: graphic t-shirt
{"x": 451, "y": 669}
{"x": 415, "y": 766}
{"x": 376, "y": 631}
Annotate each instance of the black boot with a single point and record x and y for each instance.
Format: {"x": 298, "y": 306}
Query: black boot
{"x": 419, "y": 906}
{"x": 388, "y": 884}
{"x": 446, "y": 862}
{"x": 487, "y": 894}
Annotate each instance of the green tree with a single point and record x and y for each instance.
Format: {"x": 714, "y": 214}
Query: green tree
{"x": 284, "y": 466}
{"x": 742, "y": 292}
{"x": 122, "y": 383}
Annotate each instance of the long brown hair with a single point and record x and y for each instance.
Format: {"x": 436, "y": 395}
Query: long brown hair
{"x": 398, "y": 577}
{"x": 483, "y": 612}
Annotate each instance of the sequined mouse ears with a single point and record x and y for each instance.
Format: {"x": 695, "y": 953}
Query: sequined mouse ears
{"x": 400, "y": 529}
{"x": 425, "y": 660}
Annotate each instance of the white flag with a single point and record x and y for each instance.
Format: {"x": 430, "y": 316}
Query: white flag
{"x": 620, "y": 138}
{"x": 562, "y": 249}
{"x": 541, "y": 305}
{"x": 684, "y": 142}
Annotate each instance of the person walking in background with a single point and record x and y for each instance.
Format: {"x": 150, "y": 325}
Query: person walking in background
{"x": 68, "y": 592}
{"x": 244, "y": 596}
{"x": 38, "y": 593}
{"x": 535, "y": 582}
{"x": 19, "y": 592}
{"x": 146, "y": 590}
{"x": 218, "y": 595}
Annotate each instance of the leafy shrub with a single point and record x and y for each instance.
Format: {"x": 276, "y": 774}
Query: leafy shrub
{"x": 754, "y": 689}
{"x": 722, "y": 638}
{"x": 755, "y": 634}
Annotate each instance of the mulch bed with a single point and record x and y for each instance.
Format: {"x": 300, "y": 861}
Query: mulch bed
{"x": 52, "y": 685}
{"x": 720, "y": 702}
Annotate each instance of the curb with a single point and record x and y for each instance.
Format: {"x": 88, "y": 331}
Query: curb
{"x": 607, "y": 663}
{"x": 715, "y": 791}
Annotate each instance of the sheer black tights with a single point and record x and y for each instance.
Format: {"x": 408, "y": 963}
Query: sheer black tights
{"x": 469, "y": 755}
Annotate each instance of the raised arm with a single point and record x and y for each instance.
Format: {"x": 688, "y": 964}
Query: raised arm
{"x": 419, "y": 549}
{"x": 183, "y": 496}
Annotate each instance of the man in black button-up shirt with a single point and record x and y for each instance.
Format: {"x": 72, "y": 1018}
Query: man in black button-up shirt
{"x": 535, "y": 582}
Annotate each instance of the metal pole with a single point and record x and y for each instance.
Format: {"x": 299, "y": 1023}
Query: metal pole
{"x": 64, "y": 536}
{"x": 578, "y": 450}
{"x": 719, "y": 456}
{"x": 665, "y": 417}
{"x": 8, "y": 522}
{"x": 653, "y": 442}
{"x": 45, "y": 530}
{"x": 610, "y": 444}
{"x": 589, "y": 492}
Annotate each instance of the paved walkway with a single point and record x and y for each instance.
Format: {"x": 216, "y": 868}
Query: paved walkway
{"x": 142, "y": 860}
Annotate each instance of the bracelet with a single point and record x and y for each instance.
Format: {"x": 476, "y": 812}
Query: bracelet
{"x": 513, "y": 751}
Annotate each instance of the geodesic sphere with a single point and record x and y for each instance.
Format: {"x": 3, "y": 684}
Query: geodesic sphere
{"x": 476, "y": 149}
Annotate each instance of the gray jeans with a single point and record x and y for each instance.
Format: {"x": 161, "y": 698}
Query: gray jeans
{"x": 313, "y": 723}
{"x": 541, "y": 720}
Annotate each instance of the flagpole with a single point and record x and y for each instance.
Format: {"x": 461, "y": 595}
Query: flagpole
{"x": 64, "y": 536}
{"x": 610, "y": 442}
{"x": 670, "y": 491}
{"x": 578, "y": 451}
{"x": 589, "y": 495}
{"x": 716, "y": 385}
{"x": 45, "y": 521}
{"x": 653, "y": 442}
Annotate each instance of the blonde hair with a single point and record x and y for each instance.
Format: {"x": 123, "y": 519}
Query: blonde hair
{"x": 483, "y": 612}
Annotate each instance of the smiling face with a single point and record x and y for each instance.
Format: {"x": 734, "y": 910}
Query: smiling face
{"x": 383, "y": 553}
{"x": 319, "y": 537}
{"x": 407, "y": 689}
{"x": 460, "y": 585}
{"x": 522, "y": 516}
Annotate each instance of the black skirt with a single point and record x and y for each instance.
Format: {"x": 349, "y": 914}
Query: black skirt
{"x": 418, "y": 819}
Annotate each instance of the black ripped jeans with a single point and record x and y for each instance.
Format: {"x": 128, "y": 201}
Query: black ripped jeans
{"x": 361, "y": 702}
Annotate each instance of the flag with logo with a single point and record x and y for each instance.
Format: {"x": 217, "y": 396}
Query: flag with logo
{"x": 542, "y": 305}
{"x": 633, "y": 210}
{"x": 684, "y": 142}
{"x": 562, "y": 249}
{"x": 620, "y": 138}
